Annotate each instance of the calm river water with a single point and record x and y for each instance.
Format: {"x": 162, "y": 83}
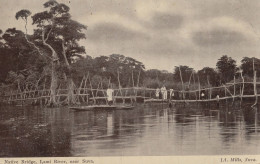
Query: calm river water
{"x": 146, "y": 130}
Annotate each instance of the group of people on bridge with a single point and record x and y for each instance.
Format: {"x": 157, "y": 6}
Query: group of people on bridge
{"x": 163, "y": 93}
{"x": 160, "y": 93}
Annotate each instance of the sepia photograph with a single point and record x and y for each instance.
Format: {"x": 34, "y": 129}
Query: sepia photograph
{"x": 129, "y": 78}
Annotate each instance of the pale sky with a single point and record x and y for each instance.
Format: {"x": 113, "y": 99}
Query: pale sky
{"x": 160, "y": 33}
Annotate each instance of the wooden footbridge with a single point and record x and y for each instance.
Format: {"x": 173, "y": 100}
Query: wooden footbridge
{"x": 86, "y": 94}
{"x": 233, "y": 91}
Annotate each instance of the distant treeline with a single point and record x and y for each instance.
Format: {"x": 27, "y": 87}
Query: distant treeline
{"x": 133, "y": 73}
{"x": 29, "y": 70}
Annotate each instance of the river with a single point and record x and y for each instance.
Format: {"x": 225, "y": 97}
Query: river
{"x": 147, "y": 130}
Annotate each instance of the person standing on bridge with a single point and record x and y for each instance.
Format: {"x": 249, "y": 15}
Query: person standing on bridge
{"x": 171, "y": 94}
{"x": 164, "y": 93}
{"x": 217, "y": 97}
{"x": 110, "y": 92}
{"x": 202, "y": 95}
{"x": 157, "y": 93}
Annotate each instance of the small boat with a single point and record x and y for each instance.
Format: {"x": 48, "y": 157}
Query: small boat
{"x": 102, "y": 107}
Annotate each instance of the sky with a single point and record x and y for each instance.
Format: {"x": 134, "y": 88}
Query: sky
{"x": 161, "y": 34}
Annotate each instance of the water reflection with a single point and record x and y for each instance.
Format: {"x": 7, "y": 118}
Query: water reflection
{"x": 146, "y": 130}
{"x": 33, "y": 132}
{"x": 110, "y": 124}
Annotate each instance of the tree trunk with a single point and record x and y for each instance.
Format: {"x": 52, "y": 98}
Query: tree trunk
{"x": 54, "y": 85}
{"x": 183, "y": 94}
{"x": 54, "y": 74}
{"x": 254, "y": 81}
{"x": 71, "y": 98}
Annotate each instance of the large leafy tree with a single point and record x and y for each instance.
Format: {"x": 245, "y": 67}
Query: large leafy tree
{"x": 208, "y": 76}
{"x": 155, "y": 78}
{"x": 1, "y": 39}
{"x": 247, "y": 66}
{"x": 186, "y": 72}
{"x": 16, "y": 56}
{"x": 129, "y": 71}
{"x": 159, "y": 75}
{"x": 227, "y": 68}
{"x": 15, "y": 41}
{"x": 5, "y": 59}
{"x": 58, "y": 34}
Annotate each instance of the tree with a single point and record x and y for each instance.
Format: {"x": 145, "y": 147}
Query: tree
{"x": 247, "y": 66}
{"x": 43, "y": 33}
{"x": 208, "y": 76}
{"x": 159, "y": 75}
{"x": 1, "y": 39}
{"x": 57, "y": 32}
{"x": 227, "y": 68}
{"x": 14, "y": 50}
{"x": 186, "y": 72}
{"x": 81, "y": 67}
{"x": 6, "y": 57}
{"x": 129, "y": 70}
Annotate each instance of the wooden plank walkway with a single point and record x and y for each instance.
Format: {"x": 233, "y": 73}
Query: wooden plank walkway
{"x": 225, "y": 92}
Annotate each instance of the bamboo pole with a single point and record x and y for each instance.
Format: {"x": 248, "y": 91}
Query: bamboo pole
{"x": 209, "y": 90}
{"x": 58, "y": 92}
{"x": 190, "y": 79}
{"x": 255, "y": 89}
{"x": 119, "y": 84}
{"x": 194, "y": 85}
{"x": 234, "y": 92}
{"x": 133, "y": 78}
{"x": 97, "y": 89}
{"x": 92, "y": 90}
{"x": 85, "y": 86}
{"x": 80, "y": 87}
{"x": 234, "y": 85}
{"x": 243, "y": 86}
{"x": 228, "y": 91}
{"x": 199, "y": 86}
{"x": 138, "y": 82}
{"x": 138, "y": 79}
{"x": 240, "y": 89}
{"x": 225, "y": 92}
{"x": 182, "y": 83}
{"x": 189, "y": 83}
{"x": 103, "y": 91}
{"x": 109, "y": 83}
{"x": 126, "y": 94}
{"x": 135, "y": 92}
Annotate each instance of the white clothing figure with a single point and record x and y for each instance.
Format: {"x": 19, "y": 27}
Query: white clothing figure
{"x": 217, "y": 97}
{"x": 157, "y": 92}
{"x": 110, "y": 94}
{"x": 202, "y": 95}
{"x": 164, "y": 93}
{"x": 171, "y": 93}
